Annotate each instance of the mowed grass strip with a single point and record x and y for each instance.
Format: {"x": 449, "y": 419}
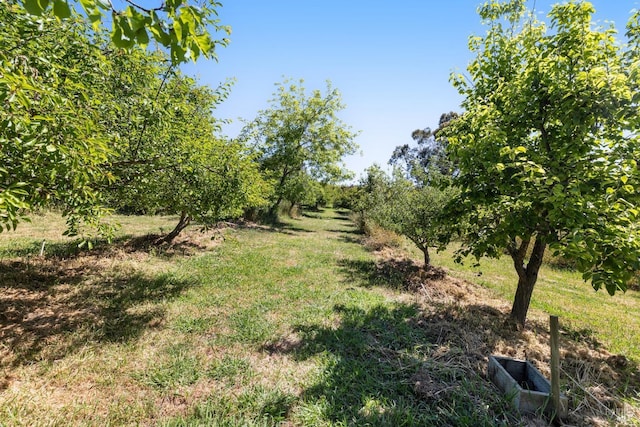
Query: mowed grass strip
{"x": 250, "y": 326}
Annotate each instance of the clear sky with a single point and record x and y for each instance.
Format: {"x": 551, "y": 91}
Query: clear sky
{"x": 390, "y": 60}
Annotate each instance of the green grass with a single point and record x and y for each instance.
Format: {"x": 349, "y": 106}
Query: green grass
{"x": 291, "y": 325}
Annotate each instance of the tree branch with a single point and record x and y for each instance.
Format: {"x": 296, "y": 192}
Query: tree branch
{"x": 137, "y": 6}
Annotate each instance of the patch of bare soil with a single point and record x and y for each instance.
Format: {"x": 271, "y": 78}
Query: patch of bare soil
{"x": 465, "y": 316}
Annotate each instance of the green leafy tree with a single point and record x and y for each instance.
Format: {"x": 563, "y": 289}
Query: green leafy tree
{"x": 171, "y": 160}
{"x": 53, "y": 147}
{"x": 429, "y": 153}
{"x": 53, "y": 74}
{"x": 412, "y": 210}
{"x": 300, "y": 138}
{"x": 182, "y": 26}
{"x": 371, "y": 191}
{"x": 547, "y": 145}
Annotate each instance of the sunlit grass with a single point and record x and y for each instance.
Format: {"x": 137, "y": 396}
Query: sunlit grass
{"x": 267, "y": 326}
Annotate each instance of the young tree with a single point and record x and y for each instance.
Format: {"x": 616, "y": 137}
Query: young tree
{"x": 414, "y": 210}
{"x": 299, "y": 136}
{"x": 547, "y": 146}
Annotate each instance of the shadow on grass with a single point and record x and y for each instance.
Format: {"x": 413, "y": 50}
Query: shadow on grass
{"x": 312, "y": 216}
{"x": 288, "y": 228}
{"x": 349, "y": 232}
{"x": 382, "y": 368}
{"x": 50, "y": 309}
{"x": 369, "y": 274}
{"x": 70, "y": 249}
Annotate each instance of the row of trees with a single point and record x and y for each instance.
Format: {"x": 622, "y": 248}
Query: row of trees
{"x": 544, "y": 155}
{"x": 91, "y": 124}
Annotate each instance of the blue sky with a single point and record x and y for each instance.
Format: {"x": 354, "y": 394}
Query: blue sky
{"x": 390, "y": 60}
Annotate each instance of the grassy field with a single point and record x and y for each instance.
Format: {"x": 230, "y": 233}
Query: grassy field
{"x": 292, "y": 325}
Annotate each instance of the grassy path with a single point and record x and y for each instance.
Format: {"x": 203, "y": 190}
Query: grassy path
{"x": 273, "y": 326}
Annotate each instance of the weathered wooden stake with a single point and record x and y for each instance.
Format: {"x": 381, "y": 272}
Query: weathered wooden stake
{"x": 555, "y": 365}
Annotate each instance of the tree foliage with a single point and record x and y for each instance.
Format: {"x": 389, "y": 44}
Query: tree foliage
{"x": 171, "y": 158}
{"x": 547, "y": 146}
{"x": 184, "y": 27}
{"x": 429, "y": 153}
{"x": 52, "y": 149}
{"x": 301, "y": 139}
{"x": 409, "y": 208}
{"x": 86, "y": 126}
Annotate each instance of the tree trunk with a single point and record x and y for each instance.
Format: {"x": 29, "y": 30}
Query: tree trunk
{"x": 522, "y": 300}
{"x": 427, "y": 258}
{"x": 273, "y": 210}
{"x": 527, "y": 278}
{"x": 182, "y": 224}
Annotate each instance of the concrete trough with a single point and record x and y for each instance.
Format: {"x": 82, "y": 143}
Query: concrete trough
{"x": 529, "y": 391}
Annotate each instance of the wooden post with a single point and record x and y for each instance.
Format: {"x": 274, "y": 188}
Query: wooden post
{"x": 555, "y": 366}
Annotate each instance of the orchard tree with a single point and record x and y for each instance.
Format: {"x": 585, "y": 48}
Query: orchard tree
{"x": 412, "y": 209}
{"x": 301, "y": 137}
{"x": 53, "y": 147}
{"x": 547, "y": 145}
{"x": 171, "y": 158}
{"x": 371, "y": 191}
{"x": 53, "y": 73}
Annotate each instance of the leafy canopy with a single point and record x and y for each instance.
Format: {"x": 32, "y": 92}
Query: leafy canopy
{"x": 301, "y": 139}
{"x": 414, "y": 210}
{"x": 548, "y": 142}
{"x": 53, "y": 144}
{"x": 182, "y": 26}
{"x": 171, "y": 159}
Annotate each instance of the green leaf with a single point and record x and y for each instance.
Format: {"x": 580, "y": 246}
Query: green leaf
{"x": 142, "y": 37}
{"x": 36, "y": 7}
{"x": 92, "y": 12}
{"x": 136, "y": 20}
{"x": 159, "y": 34}
{"x": 103, "y": 4}
{"x": 116, "y": 37}
{"x": 61, "y": 9}
{"x": 177, "y": 27}
{"x": 520, "y": 149}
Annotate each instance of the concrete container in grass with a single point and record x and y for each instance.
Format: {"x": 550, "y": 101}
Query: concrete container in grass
{"x": 528, "y": 389}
